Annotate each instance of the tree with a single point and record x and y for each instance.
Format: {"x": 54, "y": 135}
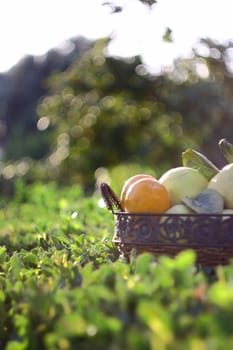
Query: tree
{"x": 105, "y": 111}
{"x": 22, "y": 87}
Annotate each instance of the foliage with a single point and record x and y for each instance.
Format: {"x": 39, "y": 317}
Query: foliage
{"x": 63, "y": 285}
{"x": 105, "y": 112}
{"x": 205, "y": 104}
{"x": 19, "y": 132}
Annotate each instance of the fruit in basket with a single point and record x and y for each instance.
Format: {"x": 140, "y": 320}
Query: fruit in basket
{"x": 208, "y": 201}
{"x": 183, "y": 182}
{"x": 146, "y": 195}
{"x": 128, "y": 183}
{"x": 227, "y": 213}
{"x": 223, "y": 183}
{"x": 179, "y": 209}
{"x": 169, "y": 230}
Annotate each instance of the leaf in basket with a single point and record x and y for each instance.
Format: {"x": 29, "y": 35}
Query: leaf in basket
{"x": 208, "y": 201}
{"x": 196, "y": 160}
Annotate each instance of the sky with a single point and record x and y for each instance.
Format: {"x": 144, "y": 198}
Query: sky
{"x": 35, "y": 26}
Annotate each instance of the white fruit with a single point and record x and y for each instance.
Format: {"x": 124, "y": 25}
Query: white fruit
{"x": 227, "y": 213}
{"x": 183, "y": 182}
{"x": 223, "y": 183}
{"x": 179, "y": 209}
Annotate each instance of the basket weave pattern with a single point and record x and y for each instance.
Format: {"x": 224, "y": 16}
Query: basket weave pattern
{"x": 210, "y": 236}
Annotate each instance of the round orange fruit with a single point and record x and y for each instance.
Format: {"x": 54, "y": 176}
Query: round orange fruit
{"x": 146, "y": 195}
{"x": 128, "y": 183}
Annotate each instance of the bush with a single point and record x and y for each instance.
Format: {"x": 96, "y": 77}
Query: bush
{"x": 64, "y": 286}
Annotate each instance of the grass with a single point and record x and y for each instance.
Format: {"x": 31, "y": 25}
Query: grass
{"x": 63, "y": 285}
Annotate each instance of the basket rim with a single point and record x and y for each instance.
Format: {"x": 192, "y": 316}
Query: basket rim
{"x": 172, "y": 214}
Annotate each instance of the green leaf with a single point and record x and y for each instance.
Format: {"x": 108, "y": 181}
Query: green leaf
{"x": 2, "y": 297}
{"x": 221, "y": 294}
{"x": 14, "y": 345}
{"x": 15, "y": 265}
{"x": 72, "y": 324}
{"x": 3, "y": 254}
{"x": 185, "y": 259}
{"x": 143, "y": 263}
{"x": 158, "y": 320}
{"x": 30, "y": 258}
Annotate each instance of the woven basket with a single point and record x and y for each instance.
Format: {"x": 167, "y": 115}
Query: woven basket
{"x": 209, "y": 235}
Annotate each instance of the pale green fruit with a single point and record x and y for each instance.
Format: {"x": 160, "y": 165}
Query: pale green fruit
{"x": 223, "y": 183}
{"x": 225, "y": 212}
{"x": 179, "y": 209}
{"x": 183, "y": 182}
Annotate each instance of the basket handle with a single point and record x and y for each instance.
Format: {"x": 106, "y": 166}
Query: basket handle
{"x": 110, "y": 198}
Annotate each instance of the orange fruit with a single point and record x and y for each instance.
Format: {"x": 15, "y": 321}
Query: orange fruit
{"x": 128, "y": 183}
{"x": 147, "y": 195}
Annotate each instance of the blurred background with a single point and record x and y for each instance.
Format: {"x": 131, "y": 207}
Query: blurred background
{"x": 94, "y": 91}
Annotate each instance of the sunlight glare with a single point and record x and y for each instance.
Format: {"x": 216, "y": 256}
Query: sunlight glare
{"x": 41, "y": 26}
{"x": 101, "y": 203}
